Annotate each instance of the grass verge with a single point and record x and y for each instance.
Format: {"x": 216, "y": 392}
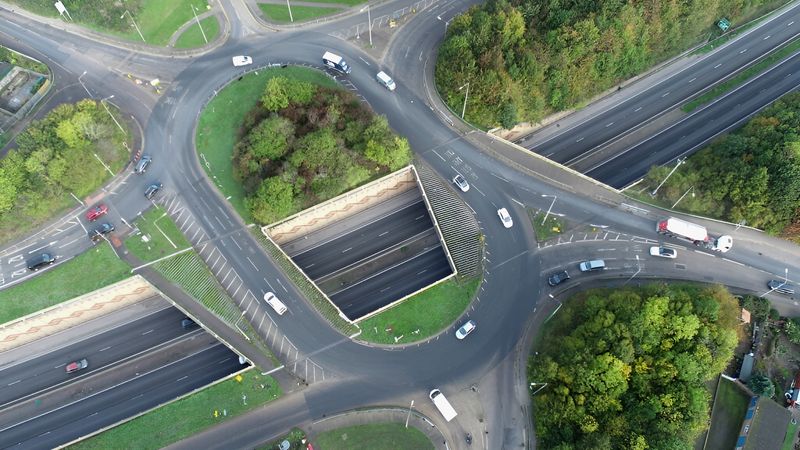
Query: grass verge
{"x": 162, "y": 236}
{"x": 193, "y": 37}
{"x": 280, "y": 14}
{"x": 544, "y": 230}
{"x": 219, "y": 124}
{"x": 294, "y": 437}
{"x": 726, "y": 418}
{"x": 421, "y": 316}
{"x": 742, "y": 77}
{"x": 791, "y": 432}
{"x": 377, "y": 436}
{"x": 85, "y": 273}
{"x": 189, "y": 415}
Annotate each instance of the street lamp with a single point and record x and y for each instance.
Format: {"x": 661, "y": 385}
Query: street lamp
{"x": 684, "y": 195}
{"x": 84, "y": 86}
{"x": 369, "y": 22}
{"x": 680, "y": 161}
{"x": 291, "y": 19}
{"x": 785, "y": 281}
{"x": 446, "y": 23}
{"x": 638, "y": 269}
{"x": 134, "y": 24}
{"x": 103, "y": 102}
{"x": 550, "y": 208}
{"x": 198, "y": 23}
{"x": 464, "y": 109}
{"x": 544, "y": 385}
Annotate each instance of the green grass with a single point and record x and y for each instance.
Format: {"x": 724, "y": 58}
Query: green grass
{"x": 163, "y": 235}
{"x": 791, "y": 432}
{"x": 190, "y": 415}
{"x": 554, "y": 225}
{"x": 192, "y": 37}
{"x": 85, "y": 273}
{"x": 220, "y": 121}
{"x": 159, "y": 19}
{"x": 341, "y": 2}
{"x": 726, "y": 419}
{"x": 742, "y": 77}
{"x": 280, "y": 14}
{"x": 429, "y": 312}
{"x": 378, "y": 436}
{"x": 294, "y": 437}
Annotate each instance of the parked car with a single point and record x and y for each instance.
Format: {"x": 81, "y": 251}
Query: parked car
{"x": 96, "y": 212}
{"x": 505, "y": 217}
{"x": 242, "y": 60}
{"x": 461, "y": 182}
{"x": 152, "y": 190}
{"x": 41, "y": 260}
{"x": 96, "y": 233}
{"x": 781, "y": 286}
{"x": 76, "y": 365}
{"x": 465, "y": 330}
{"x": 663, "y": 252}
{"x": 558, "y": 278}
{"x": 588, "y": 266}
{"x": 276, "y": 304}
{"x": 141, "y": 166}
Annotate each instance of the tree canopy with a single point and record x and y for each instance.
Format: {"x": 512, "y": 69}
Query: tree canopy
{"x": 304, "y": 144}
{"x": 525, "y": 59}
{"x": 626, "y": 368}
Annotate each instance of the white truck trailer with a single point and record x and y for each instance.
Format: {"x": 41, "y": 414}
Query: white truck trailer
{"x": 443, "y": 405}
{"x": 695, "y": 233}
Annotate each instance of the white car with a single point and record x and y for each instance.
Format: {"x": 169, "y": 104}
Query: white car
{"x": 505, "y": 217}
{"x": 276, "y": 304}
{"x": 239, "y": 61}
{"x": 465, "y": 329}
{"x": 663, "y": 252}
{"x": 461, "y": 182}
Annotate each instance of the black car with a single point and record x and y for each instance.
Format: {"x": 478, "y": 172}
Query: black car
{"x": 188, "y": 323}
{"x": 152, "y": 190}
{"x": 558, "y": 278}
{"x": 37, "y": 262}
{"x": 781, "y": 286}
{"x": 96, "y": 233}
{"x": 141, "y": 166}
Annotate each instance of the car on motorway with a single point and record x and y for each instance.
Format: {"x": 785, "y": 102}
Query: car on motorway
{"x": 558, "y": 278}
{"x": 152, "y": 190}
{"x": 781, "y": 286}
{"x": 461, "y": 182}
{"x": 187, "y": 323}
{"x": 589, "y": 266}
{"x": 276, "y": 304}
{"x": 96, "y": 212}
{"x": 242, "y": 60}
{"x": 96, "y": 233}
{"x": 664, "y": 252}
{"x": 75, "y": 366}
{"x": 465, "y": 330}
{"x": 41, "y": 260}
{"x": 505, "y": 217}
{"x": 141, "y": 166}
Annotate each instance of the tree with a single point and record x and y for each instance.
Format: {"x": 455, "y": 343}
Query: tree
{"x": 275, "y": 95}
{"x": 761, "y": 384}
{"x": 791, "y": 328}
{"x": 270, "y": 139}
{"x": 273, "y": 200}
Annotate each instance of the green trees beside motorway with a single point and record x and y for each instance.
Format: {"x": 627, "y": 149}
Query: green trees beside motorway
{"x": 751, "y": 175}
{"x": 306, "y": 143}
{"x": 57, "y": 157}
{"x": 626, "y": 368}
{"x": 527, "y": 58}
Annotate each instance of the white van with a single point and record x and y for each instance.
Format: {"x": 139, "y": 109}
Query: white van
{"x": 335, "y": 62}
{"x": 443, "y": 405}
{"x": 386, "y": 80}
{"x": 276, "y": 304}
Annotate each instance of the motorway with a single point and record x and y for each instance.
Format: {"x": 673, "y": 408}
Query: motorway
{"x": 509, "y": 294}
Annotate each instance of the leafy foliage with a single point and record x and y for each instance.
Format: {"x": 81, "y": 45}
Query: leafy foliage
{"x": 752, "y": 175}
{"x": 625, "y": 369}
{"x": 758, "y": 306}
{"x": 55, "y": 157}
{"x": 304, "y": 144}
{"x": 761, "y": 384}
{"x": 535, "y": 56}
{"x": 792, "y": 330}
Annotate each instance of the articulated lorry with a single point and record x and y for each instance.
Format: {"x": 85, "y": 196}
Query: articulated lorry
{"x": 695, "y": 233}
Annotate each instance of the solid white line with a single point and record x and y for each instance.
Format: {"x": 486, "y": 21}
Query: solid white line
{"x": 731, "y": 261}
{"x": 253, "y": 264}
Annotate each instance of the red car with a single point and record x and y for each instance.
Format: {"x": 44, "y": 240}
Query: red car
{"x": 76, "y": 365}
{"x": 96, "y": 212}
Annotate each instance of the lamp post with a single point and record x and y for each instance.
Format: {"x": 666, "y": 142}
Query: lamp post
{"x": 464, "y": 109}
{"x": 680, "y": 161}
{"x": 84, "y": 86}
{"x": 550, "y": 208}
{"x": 638, "y": 269}
{"x": 369, "y": 23}
{"x": 785, "y": 281}
{"x": 684, "y": 195}
{"x": 409, "y": 413}
{"x": 134, "y": 24}
{"x": 103, "y": 102}
{"x": 291, "y": 19}
{"x": 446, "y": 23}
{"x": 198, "y": 23}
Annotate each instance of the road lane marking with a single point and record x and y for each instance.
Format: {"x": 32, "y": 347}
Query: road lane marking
{"x": 517, "y": 202}
{"x": 147, "y": 332}
{"x": 790, "y": 23}
{"x": 383, "y": 234}
{"x": 182, "y": 378}
{"x": 579, "y": 139}
{"x": 742, "y": 51}
{"x": 717, "y": 66}
{"x": 665, "y": 95}
{"x": 347, "y": 249}
{"x": 637, "y": 109}
{"x": 692, "y": 79}
{"x": 13, "y": 382}
{"x": 767, "y": 37}
{"x": 254, "y": 264}
{"x": 69, "y": 243}
{"x": 105, "y": 348}
{"x": 611, "y": 123}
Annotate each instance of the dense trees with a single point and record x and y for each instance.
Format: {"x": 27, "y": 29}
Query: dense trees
{"x": 304, "y": 144}
{"x": 526, "y": 58}
{"x": 751, "y": 175}
{"x": 55, "y": 157}
{"x": 625, "y": 369}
